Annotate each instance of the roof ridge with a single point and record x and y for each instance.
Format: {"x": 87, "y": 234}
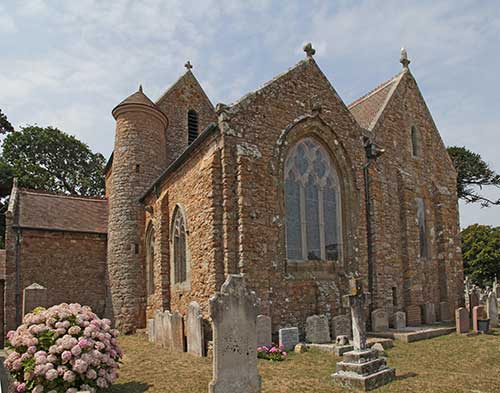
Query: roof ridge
{"x": 61, "y": 195}
{"x": 374, "y": 91}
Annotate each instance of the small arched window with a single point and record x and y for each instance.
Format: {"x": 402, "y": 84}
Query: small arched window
{"x": 423, "y": 249}
{"x": 312, "y": 204}
{"x": 192, "y": 126}
{"x": 179, "y": 247}
{"x": 150, "y": 257}
{"x": 415, "y": 142}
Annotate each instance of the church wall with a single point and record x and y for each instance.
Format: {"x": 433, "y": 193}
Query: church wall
{"x": 258, "y": 133}
{"x": 398, "y": 180}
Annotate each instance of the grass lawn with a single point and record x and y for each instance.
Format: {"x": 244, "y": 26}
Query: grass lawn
{"x": 444, "y": 364}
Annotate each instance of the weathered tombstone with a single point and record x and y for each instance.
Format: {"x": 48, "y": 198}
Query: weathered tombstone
{"x": 288, "y": 338}
{"x": 496, "y": 288}
{"x": 492, "y": 309}
{"x": 413, "y": 315}
{"x": 380, "y": 320}
{"x": 158, "y": 326}
{"x": 462, "y": 320}
{"x": 444, "y": 312}
{"x": 361, "y": 368}
{"x": 166, "y": 330}
{"x": 194, "y": 330}
{"x": 151, "y": 330}
{"x": 429, "y": 312}
{"x": 399, "y": 319}
{"x": 234, "y": 317}
{"x": 317, "y": 329}
{"x": 479, "y": 316}
{"x": 473, "y": 300}
{"x": 341, "y": 326}
{"x": 34, "y": 296}
{"x": 264, "y": 331}
{"x": 177, "y": 326}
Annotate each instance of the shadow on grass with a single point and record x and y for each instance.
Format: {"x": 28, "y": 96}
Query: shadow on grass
{"x": 405, "y": 376}
{"x": 130, "y": 387}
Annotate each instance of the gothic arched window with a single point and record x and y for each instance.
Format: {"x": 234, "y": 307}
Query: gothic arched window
{"x": 179, "y": 247}
{"x": 415, "y": 142}
{"x": 150, "y": 257}
{"x": 192, "y": 126}
{"x": 312, "y": 204}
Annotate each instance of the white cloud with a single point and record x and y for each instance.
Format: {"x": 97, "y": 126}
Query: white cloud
{"x": 7, "y": 24}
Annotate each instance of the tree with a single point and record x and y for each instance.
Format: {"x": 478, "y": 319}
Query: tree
{"x": 481, "y": 253}
{"x": 473, "y": 175}
{"x": 49, "y": 159}
{"x": 5, "y": 125}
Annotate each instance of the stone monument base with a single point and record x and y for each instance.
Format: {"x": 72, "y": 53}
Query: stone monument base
{"x": 363, "y": 370}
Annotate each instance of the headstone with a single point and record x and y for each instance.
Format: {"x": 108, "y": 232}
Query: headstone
{"x": 194, "y": 330}
{"x": 492, "y": 309}
{"x": 478, "y": 314}
{"x": 399, "y": 319}
{"x": 159, "y": 329}
{"x": 341, "y": 326}
{"x": 34, "y": 296}
{"x": 473, "y": 300}
{"x": 361, "y": 368}
{"x": 429, "y": 313}
{"x": 462, "y": 320}
{"x": 176, "y": 324}
{"x": 264, "y": 331}
{"x": 380, "y": 320}
{"x": 444, "y": 312}
{"x": 413, "y": 315}
{"x": 496, "y": 288}
{"x": 151, "y": 330}
{"x": 234, "y": 317}
{"x": 317, "y": 329}
{"x": 288, "y": 337}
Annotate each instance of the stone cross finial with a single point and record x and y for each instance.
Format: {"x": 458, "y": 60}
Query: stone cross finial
{"x": 188, "y": 65}
{"x": 404, "y": 59}
{"x": 310, "y": 51}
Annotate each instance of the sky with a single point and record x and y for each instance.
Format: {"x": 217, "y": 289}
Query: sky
{"x": 68, "y": 63}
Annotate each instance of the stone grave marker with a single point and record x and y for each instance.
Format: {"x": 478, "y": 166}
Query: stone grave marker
{"x": 473, "y": 300}
{"x": 264, "y": 331}
{"x": 399, "y": 319}
{"x": 341, "y": 326}
{"x": 194, "y": 330}
{"x": 34, "y": 296}
{"x": 151, "y": 330}
{"x": 429, "y": 312}
{"x": 492, "y": 309}
{"x": 478, "y": 314}
{"x": 158, "y": 326}
{"x": 234, "y": 318}
{"x": 444, "y": 312}
{"x": 317, "y": 329}
{"x": 177, "y": 329}
{"x": 380, "y": 320}
{"x": 413, "y": 315}
{"x": 462, "y": 320}
{"x": 289, "y": 337}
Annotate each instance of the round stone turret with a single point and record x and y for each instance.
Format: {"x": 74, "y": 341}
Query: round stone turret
{"x": 138, "y": 159}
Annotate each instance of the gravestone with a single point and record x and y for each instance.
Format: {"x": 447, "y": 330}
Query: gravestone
{"x": 34, "y": 296}
{"x": 462, "y": 320}
{"x": 158, "y": 326}
{"x": 399, "y": 319}
{"x": 473, "y": 300}
{"x": 361, "y": 368}
{"x": 233, "y": 311}
{"x": 317, "y": 329}
{"x": 177, "y": 331}
{"x": 264, "y": 331}
{"x": 194, "y": 330}
{"x": 496, "y": 288}
{"x": 478, "y": 314}
{"x": 288, "y": 337}
{"x": 151, "y": 330}
{"x": 492, "y": 309}
{"x": 380, "y": 320}
{"x": 413, "y": 315}
{"x": 444, "y": 312}
{"x": 429, "y": 313}
{"x": 341, "y": 326}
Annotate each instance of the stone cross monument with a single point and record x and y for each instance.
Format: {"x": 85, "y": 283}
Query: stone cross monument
{"x": 361, "y": 368}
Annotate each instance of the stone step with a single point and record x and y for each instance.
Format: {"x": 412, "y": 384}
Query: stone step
{"x": 365, "y": 382}
{"x": 365, "y": 368}
{"x": 359, "y": 356}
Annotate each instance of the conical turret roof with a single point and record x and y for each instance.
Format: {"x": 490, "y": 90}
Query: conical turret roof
{"x": 138, "y": 98}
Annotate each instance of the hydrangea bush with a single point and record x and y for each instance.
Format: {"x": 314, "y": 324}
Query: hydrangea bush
{"x": 64, "y": 349}
{"x": 271, "y": 352}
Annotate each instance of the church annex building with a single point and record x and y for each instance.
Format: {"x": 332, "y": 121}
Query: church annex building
{"x": 288, "y": 185}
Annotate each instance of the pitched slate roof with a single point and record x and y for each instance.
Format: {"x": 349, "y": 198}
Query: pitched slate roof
{"x": 42, "y": 210}
{"x": 367, "y": 109}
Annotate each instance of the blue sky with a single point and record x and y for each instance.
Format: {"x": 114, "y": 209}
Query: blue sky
{"x": 68, "y": 63}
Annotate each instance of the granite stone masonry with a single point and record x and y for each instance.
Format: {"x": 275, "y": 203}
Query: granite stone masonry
{"x": 317, "y": 329}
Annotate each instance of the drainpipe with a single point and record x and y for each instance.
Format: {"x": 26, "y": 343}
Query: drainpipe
{"x": 18, "y": 277}
{"x": 372, "y": 153}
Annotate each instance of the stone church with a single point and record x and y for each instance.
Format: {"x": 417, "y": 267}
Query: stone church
{"x": 288, "y": 185}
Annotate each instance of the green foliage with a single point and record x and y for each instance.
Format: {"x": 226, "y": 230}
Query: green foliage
{"x": 481, "y": 253}
{"x": 49, "y": 159}
{"x": 5, "y": 125}
{"x": 473, "y": 175}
